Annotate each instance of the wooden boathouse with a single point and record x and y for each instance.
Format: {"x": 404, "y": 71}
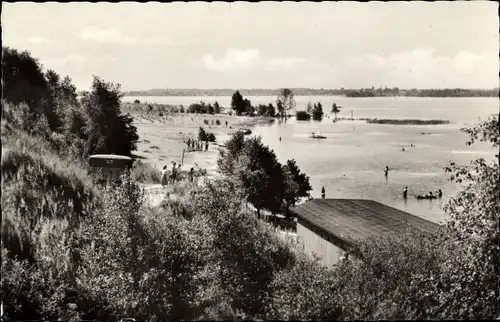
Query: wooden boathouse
{"x": 327, "y": 227}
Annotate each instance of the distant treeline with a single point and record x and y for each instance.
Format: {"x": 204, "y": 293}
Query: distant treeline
{"x": 447, "y": 92}
{"x": 364, "y": 92}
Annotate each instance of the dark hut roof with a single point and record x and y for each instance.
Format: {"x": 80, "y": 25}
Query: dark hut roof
{"x": 354, "y": 219}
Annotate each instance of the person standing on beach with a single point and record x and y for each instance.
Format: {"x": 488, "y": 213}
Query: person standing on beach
{"x": 323, "y": 193}
{"x": 206, "y": 146}
{"x": 191, "y": 174}
{"x": 405, "y": 193}
{"x": 173, "y": 176}
{"x": 164, "y": 178}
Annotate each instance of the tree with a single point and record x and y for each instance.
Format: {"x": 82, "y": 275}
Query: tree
{"x": 309, "y": 107}
{"x": 317, "y": 112}
{"x": 248, "y": 108}
{"x": 261, "y": 110}
{"x": 296, "y": 184}
{"x": 335, "y": 109}
{"x": 205, "y": 136}
{"x": 237, "y": 103}
{"x": 271, "y": 111}
{"x": 23, "y": 80}
{"x": 260, "y": 173}
{"x": 280, "y": 108}
{"x": 473, "y": 231}
{"x": 227, "y": 157}
{"x": 217, "y": 108}
{"x": 285, "y": 101}
{"x": 210, "y": 109}
{"x": 107, "y": 129}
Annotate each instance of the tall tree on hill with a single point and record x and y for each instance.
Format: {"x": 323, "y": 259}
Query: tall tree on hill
{"x": 46, "y": 96}
{"x": 107, "y": 129}
{"x": 237, "y": 103}
{"x": 229, "y": 155}
{"x": 296, "y": 184}
{"x": 260, "y": 173}
{"x": 61, "y": 98}
{"x": 23, "y": 80}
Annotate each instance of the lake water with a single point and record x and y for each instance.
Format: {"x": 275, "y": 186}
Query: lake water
{"x": 350, "y": 162}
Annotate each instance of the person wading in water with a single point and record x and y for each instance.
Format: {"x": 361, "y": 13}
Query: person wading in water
{"x": 323, "y": 192}
{"x": 386, "y": 171}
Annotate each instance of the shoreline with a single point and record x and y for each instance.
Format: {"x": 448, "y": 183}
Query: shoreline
{"x": 161, "y": 139}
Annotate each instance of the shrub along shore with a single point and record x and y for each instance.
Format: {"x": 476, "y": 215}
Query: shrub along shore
{"x": 74, "y": 250}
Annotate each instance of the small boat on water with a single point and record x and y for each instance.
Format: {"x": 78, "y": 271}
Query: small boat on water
{"x": 315, "y": 136}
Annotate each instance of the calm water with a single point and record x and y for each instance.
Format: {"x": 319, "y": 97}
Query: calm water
{"x": 350, "y": 162}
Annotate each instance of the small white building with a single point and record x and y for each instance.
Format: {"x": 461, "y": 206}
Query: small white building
{"x": 328, "y": 226}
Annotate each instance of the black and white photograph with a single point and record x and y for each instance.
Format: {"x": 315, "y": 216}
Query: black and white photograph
{"x": 201, "y": 161}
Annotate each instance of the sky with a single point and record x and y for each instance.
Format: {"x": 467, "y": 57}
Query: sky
{"x": 262, "y": 45}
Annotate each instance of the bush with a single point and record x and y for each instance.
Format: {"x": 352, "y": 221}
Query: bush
{"x": 145, "y": 172}
{"x": 205, "y": 136}
{"x": 303, "y": 116}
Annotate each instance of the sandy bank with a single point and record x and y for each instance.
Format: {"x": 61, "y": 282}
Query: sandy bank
{"x": 161, "y": 139}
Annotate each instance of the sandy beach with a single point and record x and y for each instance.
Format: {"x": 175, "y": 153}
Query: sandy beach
{"x": 162, "y": 139}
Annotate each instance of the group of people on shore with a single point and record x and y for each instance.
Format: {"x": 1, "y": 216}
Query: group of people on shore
{"x": 193, "y": 144}
{"x": 174, "y": 175}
